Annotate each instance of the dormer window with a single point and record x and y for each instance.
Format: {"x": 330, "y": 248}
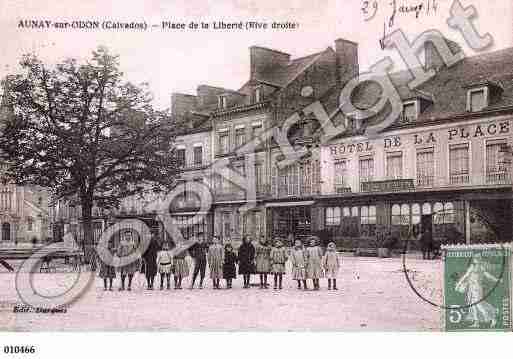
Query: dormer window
{"x": 477, "y": 99}
{"x": 222, "y": 102}
{"x": 258, "y": 95}
{"x": 410, "y": 111}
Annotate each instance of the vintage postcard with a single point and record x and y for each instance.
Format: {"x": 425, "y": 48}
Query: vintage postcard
{"x": 332, "y": 165}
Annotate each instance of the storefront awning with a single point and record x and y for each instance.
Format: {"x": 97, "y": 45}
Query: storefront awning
{"x": 290, "y": 204}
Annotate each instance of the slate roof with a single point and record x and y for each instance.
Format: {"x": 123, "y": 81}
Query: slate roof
{"x": 446, "y": 92}
{"x": 282, "y": 76}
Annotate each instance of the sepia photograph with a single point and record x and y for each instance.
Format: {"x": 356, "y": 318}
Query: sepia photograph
{"x": 255, "y": 166}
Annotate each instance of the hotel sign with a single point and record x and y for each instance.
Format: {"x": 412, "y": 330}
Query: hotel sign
{"x": 454, "y": 133}
{"x": 342, "y": 149}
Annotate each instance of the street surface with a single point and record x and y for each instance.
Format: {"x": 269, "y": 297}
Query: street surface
{"x": 373, "y": 295}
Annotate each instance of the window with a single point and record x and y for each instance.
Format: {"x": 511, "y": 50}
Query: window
{"x": 226, "y": 186}
{"x": 368, "y": 220}
{"x": 400, "y": 215}
{"x": 190, "y": 228}
{"x": 443, "y": 213}
{"x": 251, "y": 224}
{"x": 180, "y": 156}
{"x": 409, "y": 112}
{"x": 258, "y": 94}
{"x": 240, "y": 136}
{"x": 477, "y": 100}
{"x": 192, "y": 195}
{"x": 6, "y": 231}
{"x": 459, "y": 164}
{"x": 449, "y": 212}
{"x": 366, "y": 169}
{"x": 415, "y": 214}
{"x": 341, "y": 174}
{"x": 238, "y": 222}
{"x": 332, "y": 216}
{"x": 425, "y": 167}
{"x": 224, "y": 142}
{"x": 223, "y": 184}
{"x": 394, "y": 165}
{"x": 240, "y": 169}
{"x": 198, "y": 155}
{"x": 293, "y": 180}
{"x": 496, "y": 169}
{"x": 30, "y": 224}
{"x": 259, "y": 178}
{"x": 256, "y": 130}
{"x": 222, "y": 102}
{"x": 296, "y": 179}
{"x": 5, "y": 199}
{"x": 226, "y": 225}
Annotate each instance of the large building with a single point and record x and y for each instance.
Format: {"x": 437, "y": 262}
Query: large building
{"x": 443, "y": 163}
{"x": 24, "y": 210}
{"x": 227, "y": 120}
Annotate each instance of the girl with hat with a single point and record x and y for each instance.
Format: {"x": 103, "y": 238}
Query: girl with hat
{"x": 278, "y": 259}
{"x": 313, "y": 264}
{"x": 127, "y": 247}
{"x": 215, "y": 262}
{"x": 331, "y": 264}
{"x": 181, "y": 268}
{"x": 298, "y": 261}
{"x": 263, "y": 262}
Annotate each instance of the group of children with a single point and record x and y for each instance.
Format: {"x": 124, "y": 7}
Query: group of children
{"x": 308, "y": 263}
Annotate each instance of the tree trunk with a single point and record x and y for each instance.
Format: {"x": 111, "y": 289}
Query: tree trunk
{"x": 88, "y": 240}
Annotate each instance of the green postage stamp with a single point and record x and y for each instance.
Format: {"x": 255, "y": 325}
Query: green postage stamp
{"x": 477, "y": 287}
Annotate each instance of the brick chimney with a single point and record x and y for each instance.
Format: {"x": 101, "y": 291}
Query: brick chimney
{"x": 208, "y": 95}
{"x": 431, "y": 57}
{"x": 347, "y": 59}
{"x": 263, "y": 60}
{"x": 181, "y": 104}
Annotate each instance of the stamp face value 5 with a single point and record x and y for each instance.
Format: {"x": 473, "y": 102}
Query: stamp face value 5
{"x": 477, "y": 284}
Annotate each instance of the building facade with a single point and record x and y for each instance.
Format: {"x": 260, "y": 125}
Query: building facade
{"x": 24, "y": 214}
{"x": 242, "y": 124}
{"x": 24, "y": 210}
{"x": 444, "y": 164}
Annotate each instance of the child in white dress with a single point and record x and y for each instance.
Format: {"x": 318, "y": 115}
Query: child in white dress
{"x": 165, "y": 265}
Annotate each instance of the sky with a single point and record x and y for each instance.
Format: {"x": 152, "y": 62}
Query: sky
{"x": 180, "y": 60}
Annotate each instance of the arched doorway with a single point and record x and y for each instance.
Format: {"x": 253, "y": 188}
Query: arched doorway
{"x": 6, "y": 231}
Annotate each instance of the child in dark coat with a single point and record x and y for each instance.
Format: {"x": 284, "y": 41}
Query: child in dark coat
{"x": 229, "y": 270}
{"x": 246, "y": 257}
{"x": 107, "y": 272}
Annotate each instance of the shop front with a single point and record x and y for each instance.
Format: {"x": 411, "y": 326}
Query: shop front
{"x": 286, "y": 218}
{"x": 451, "y": 216}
